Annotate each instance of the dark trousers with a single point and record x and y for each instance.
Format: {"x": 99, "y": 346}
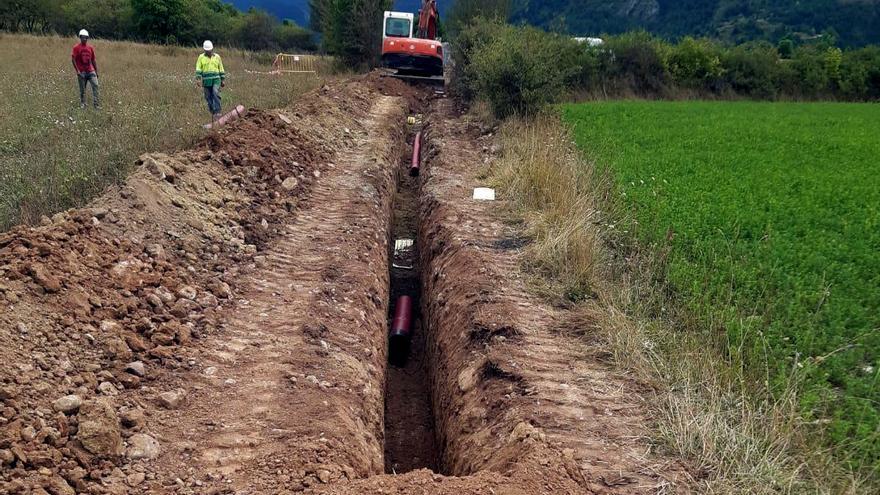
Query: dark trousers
{"x": 212, "y": 96}
{"x": 84, "y": 79}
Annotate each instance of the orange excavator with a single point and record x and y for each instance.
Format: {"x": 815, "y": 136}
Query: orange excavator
{"x": 412, "y": 56}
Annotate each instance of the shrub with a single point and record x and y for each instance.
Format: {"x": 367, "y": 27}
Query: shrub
{"x": 860, "y": 74}
{"x": 637, "y": 62}
{"x": 522, "y": 69}
{"x": 752, "y": 70}
{"x": 695, "y": 64}
{"x": 476, "y": 35}
{"x": 810, "y": 72}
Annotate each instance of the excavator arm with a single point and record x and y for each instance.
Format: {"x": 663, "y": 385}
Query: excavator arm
{"x": 428, "y": 18}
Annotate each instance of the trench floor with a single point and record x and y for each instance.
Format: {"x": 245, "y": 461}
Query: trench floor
{"x": 410, "y": 440}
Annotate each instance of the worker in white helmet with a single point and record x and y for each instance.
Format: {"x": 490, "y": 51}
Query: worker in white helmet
{"x": 211, "y": 76}
{"x": 86, "y": 67}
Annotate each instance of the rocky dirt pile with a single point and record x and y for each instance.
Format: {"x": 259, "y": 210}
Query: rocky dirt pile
{"x": 98, "y": 304}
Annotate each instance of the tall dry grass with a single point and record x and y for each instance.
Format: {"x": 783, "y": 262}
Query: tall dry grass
{"x": 54, "y": 156}
{"x": 567, "y": 247}
{"x": 738, "y": 437}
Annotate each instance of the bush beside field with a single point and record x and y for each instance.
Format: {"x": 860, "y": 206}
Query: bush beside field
{"x": 519, "y": 69}
{"x": 54, "y": 156}
{"x": 765, "y": 218}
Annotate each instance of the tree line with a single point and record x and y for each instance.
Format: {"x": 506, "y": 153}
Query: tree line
{"x": 185, "y": 22}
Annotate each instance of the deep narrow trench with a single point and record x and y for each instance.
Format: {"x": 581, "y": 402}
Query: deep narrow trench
{"x": 410, "y": 439}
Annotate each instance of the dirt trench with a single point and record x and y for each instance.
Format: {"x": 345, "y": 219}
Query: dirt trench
{"x": 219, "y": 324}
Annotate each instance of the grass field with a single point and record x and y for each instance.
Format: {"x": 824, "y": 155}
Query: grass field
{"x": 54, "y": 156}
{"x": 767, "y": 218}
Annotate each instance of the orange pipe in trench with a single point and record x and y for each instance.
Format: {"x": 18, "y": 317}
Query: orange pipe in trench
{"x": 401, "y": 331}
{"x": 417, "y": 155}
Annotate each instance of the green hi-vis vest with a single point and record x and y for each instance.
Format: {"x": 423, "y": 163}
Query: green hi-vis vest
{"x": 210, "y": 70}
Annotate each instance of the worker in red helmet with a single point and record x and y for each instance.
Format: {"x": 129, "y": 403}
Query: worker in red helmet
{"x": 83, "y": 58}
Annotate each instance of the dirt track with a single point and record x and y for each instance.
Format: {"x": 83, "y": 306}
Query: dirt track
{"x": 219, "y": 325}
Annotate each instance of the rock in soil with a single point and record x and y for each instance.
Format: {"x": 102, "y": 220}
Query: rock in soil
{"x": 99, "y": 431}
{"x": 142, "y": 446}
{"x": 67, "y": 404}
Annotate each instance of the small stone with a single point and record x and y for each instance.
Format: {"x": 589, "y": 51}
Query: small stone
{"x": 172, "y": 399}
{"x": 109, "y": 326}
{"x": 56, "y": 485}
{"x": 135, "y": 343}
{"x": 7, "y": 393}
{"x": 6, "y": 457}
{"x": 132, "y": 418}
{"x": 290, "y": 183}
{"x": 323, "y": 476}
{"x": 67, "y": 404}
{"x": 129, "y": 381}
{"x": 187, "y": 292}
{"x": 154, "y": 300}
{"x": 221, "y": 290}
{"x": 135, "y": 479}
{"x": 28, "y": 433}
{"x": 108, "y": 389}
{"x": 136, "y": 368}
{"x": 155, "y": 251}
{"x": 142, "y": 446}
{"x": 44, "y": 278}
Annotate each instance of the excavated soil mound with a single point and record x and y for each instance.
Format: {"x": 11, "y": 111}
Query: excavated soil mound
{"x": 98, "y": 306}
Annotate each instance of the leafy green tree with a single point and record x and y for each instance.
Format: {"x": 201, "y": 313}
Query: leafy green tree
{"x": 695, "y": 63}
{"x": 256, "y": 31}
{"x": 785, "y": 48}
{"x": 351, "y": 29}
{"x": 161, "y": 20}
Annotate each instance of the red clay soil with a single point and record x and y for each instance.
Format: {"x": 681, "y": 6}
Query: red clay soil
{"x": 218, "y": 324}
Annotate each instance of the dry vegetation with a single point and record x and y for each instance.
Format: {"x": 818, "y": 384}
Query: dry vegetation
{"x": 54, "y": 156}
{"x": 737, "y": 438}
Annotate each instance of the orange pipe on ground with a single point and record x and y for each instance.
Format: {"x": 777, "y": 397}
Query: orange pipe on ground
{"x": 229, "y": 117}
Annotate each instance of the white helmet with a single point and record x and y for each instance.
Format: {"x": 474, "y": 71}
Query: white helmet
{"x": 208, "y": 46}
{"x": 83, "y": 32}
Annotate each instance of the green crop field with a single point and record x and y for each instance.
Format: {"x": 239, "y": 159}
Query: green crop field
{"x": 770, "y": 214}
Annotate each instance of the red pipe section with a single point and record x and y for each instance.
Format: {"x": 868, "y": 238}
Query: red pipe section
{"x": 401, "y": 326}
{"x": 417, "y": 155}
{"x": 229, "y": 117}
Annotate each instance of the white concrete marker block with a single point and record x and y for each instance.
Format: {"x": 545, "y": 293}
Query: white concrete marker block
{"x": 484, "y": 194}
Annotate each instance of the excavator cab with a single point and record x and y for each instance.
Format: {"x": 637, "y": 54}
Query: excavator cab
{"x": 410, "y": 51}
{"x": 398, "y": 25}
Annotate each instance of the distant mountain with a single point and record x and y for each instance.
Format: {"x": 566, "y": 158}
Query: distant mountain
{"x": 298, "y": 10}
{"x": 853, "y": 22}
